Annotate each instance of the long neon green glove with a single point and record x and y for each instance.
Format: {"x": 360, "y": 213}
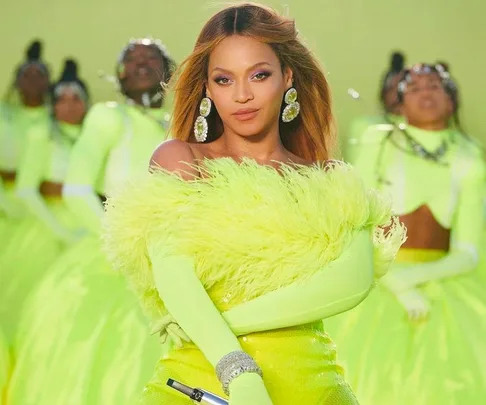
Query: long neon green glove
{"x": 31, "y": 173}
{"x": 403, "y": 277}
{"x": 101, "y": 129}
{"x": 337, "y": 288}
{"x": 182, "y": 293}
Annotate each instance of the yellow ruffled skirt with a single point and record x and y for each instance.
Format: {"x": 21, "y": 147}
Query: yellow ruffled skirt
{"x": 390, "y": 359}
{"x": 25, "y": 257}
{"x": 83, "y": 339}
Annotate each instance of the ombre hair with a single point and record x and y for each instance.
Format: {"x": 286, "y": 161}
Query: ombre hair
{"x": 310, "y": 135}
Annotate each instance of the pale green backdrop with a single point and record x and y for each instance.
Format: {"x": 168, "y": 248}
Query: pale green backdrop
{"x": 352, "y": 38}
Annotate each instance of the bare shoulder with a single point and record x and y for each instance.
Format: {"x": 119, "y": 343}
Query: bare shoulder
{"x": 175, "y": 156}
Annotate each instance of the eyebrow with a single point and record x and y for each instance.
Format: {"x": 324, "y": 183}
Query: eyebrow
{"x": 259, "y": 64}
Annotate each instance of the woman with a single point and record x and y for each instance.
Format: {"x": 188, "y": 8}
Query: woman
{"x": 421, "y": 334}
{"x": 202, "y": 239}
{"x": 39, "y": 238}
{"x": 99, "y": 326}
{"x": 31, "y": 84}
{"x": 116, "y": 136}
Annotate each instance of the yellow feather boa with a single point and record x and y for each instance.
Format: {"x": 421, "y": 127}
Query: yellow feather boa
{"x": 250, "y": 228}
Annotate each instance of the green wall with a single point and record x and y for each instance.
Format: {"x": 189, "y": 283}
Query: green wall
{"x": 352, "y": 38}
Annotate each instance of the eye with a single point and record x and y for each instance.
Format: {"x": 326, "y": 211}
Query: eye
{"x": 222, "y": 80}
{"x": 261, "y": 76}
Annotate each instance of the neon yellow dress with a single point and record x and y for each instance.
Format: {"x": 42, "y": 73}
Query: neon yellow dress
{"x": 482, "y": 253}
{"x": 83, "y": 339}
{"x": 37, "y": 239}
{"x": 391, "y": 359}
{"x": 14, "y": 123}
{"x": 263, "y": 243}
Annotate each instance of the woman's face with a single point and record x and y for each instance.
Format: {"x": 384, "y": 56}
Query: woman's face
{"x": 142, "y": 69}
{"x": 425, "y": 101}
{"x": 247, "y": 85}
{"x": 33, "y": 83}
{"x": 70, "y": 108}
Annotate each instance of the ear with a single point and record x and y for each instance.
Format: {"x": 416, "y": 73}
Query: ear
{"x": 288, "y": 76}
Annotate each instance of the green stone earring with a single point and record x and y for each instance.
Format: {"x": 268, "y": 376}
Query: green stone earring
{"x": 201, "y": 124}
{"x": 292, "y": 109}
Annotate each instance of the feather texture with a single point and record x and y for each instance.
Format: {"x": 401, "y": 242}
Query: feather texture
{"x": 250, "y": 229}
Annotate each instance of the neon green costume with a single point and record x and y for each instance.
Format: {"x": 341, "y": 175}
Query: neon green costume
{"x": 248, "y": 258}
{"x": 15, "y": 121}
{"x": 100, "y": 163}
{"x": 393, "y": 360}
{"x": 38, "y": 239}
{"x": 82, "y": 314}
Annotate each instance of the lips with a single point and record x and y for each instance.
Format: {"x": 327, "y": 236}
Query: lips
{"x": 246, "y": 114}
{"x": 143, "y": 71}
{"x": 427, "y": 103}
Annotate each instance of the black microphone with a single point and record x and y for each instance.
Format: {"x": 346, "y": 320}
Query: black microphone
{"x": 197, "y": 394}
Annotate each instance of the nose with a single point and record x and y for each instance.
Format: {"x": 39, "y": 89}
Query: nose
{"x": 426, "y": 94}
{"x": 243, "y": 92}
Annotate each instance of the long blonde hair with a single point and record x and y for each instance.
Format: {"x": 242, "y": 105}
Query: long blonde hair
{"x": 311, "y": 134}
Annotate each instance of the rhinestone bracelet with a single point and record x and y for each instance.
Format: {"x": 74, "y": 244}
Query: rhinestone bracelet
{"x": 234, "y": 364}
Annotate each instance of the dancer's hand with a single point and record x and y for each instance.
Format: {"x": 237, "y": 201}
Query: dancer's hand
{"x": 168, "y": 329}
{"x": 416, "y": 305}
{"x": 248, "y": 389}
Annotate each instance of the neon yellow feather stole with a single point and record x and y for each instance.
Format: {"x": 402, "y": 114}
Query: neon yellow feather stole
{"x": 250, "y": 228}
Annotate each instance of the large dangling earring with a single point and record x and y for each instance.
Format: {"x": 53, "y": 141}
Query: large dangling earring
{"x": 201, "y": 124}
{"x": 292, "y": 109}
